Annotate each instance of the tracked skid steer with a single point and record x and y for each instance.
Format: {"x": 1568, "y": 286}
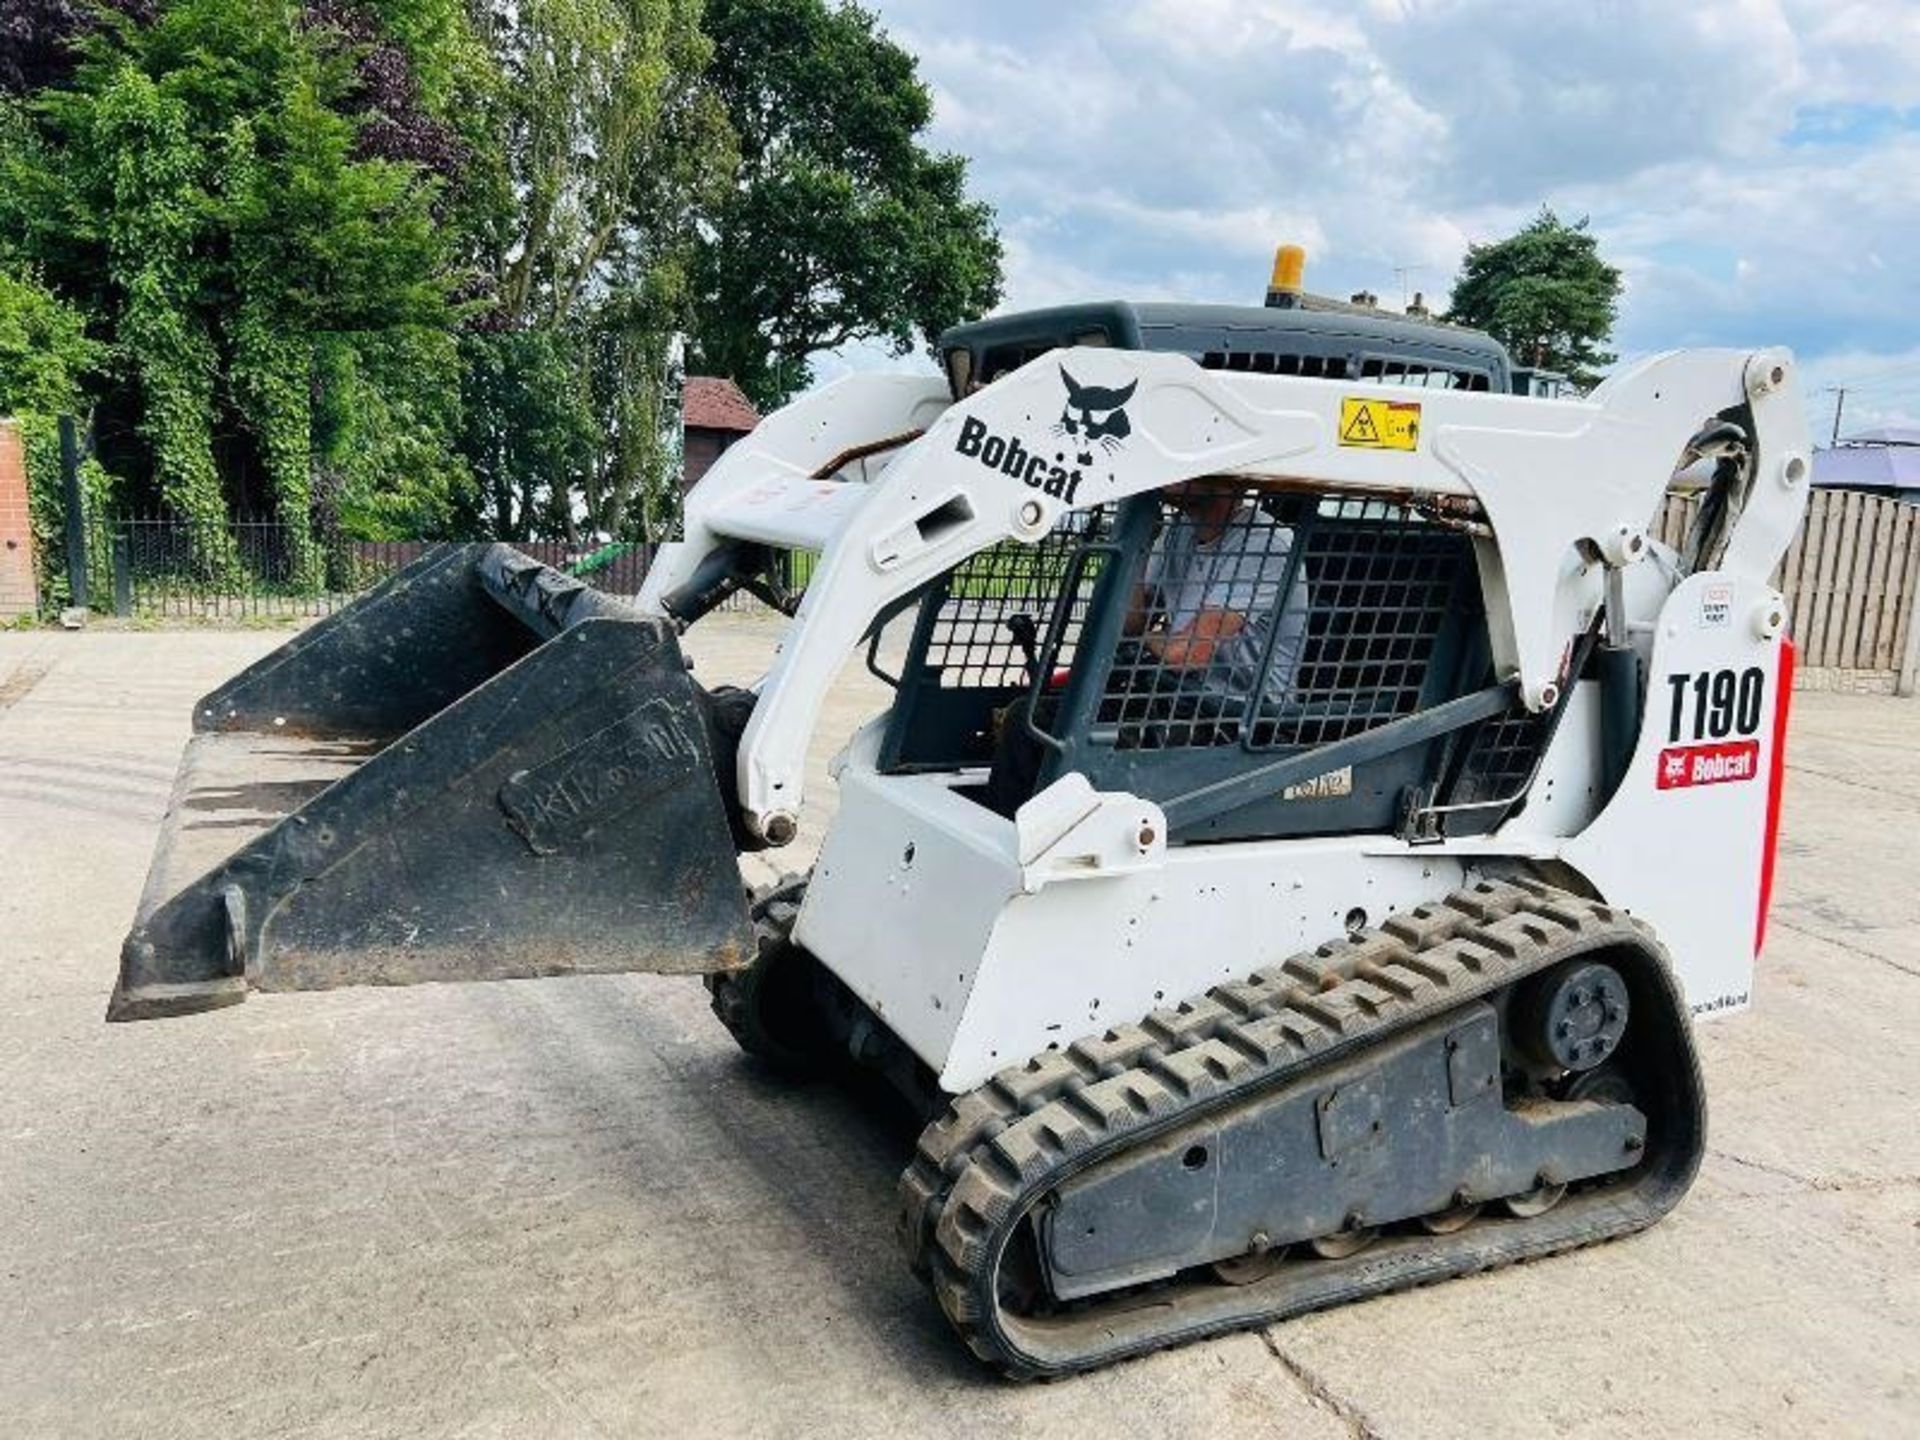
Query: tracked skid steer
{"x": 1312, "y": 807}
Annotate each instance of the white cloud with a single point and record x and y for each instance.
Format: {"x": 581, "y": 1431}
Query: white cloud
{"x": 1537, "y": 96}
{"x": 1752, "y": 165}
{"x": 1882, "y": 389}
{"x": 1860, "y": 49}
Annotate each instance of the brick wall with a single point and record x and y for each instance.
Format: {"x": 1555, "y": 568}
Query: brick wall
{"x": 700, "y": 449}
{"x": 16, "y": 530}
{"x": 1847, "y": 681}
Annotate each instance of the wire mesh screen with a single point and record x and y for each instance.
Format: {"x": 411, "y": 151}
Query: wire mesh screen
{"x": 1384, "y": 582}
{"x": 991, "y": 618}
{"x": 1499, "y": 757}
{"x": 1283, "y": 622}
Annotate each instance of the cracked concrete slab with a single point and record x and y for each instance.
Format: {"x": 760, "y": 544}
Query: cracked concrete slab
{"x": 568, "y": 1208}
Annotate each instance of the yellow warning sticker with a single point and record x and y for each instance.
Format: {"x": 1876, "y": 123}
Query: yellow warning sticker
{"x": 1380, "y": 424}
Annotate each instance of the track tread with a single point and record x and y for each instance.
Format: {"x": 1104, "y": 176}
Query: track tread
{"x": 1248, "y": 1032}
{"x": 734, "y": 996}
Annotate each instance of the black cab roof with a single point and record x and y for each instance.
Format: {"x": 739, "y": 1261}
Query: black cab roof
{"x": 1317, "y": 337}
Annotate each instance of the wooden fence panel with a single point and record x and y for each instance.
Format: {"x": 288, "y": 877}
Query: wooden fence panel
{"x": 1855, "y": 564}
{"x": 1874, "y": 579}
{"x": 1851, "y": 577}
{"x": 1827, "y": 578}
{"x": 1805, "y": 583}
{"x": 1900, "y": 549}
{"x": 1906, "y": 643}
{"x": 1676, "y": 517}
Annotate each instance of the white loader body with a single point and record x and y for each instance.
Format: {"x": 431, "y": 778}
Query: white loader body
{"x": 980, "y": 939}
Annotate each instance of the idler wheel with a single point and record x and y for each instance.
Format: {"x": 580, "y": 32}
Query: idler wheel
{"x": 1573, "y": 1017}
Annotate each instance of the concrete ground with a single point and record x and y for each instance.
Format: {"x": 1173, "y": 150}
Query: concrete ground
{"x": 564, "y": 1208}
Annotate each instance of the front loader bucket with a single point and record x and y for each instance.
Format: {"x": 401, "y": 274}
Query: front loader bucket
{"x": 480, "y": 770}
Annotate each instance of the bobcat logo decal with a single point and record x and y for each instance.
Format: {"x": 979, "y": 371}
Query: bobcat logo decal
{"x": 1094, "y": 414}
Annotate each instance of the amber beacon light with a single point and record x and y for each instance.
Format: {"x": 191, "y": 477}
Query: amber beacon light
{"x": 1289, "y": 273}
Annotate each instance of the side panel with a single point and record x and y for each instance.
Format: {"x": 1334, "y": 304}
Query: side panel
{"x": 1681, "y": 844}
{"x": 1077, "y": 957}
{"x": 904, "y": 897}
{"x": 972, "y": 973}
{"x": 1566, "y": 791}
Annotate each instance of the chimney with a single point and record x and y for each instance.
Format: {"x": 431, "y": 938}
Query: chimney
{"x": 1417, "y": 310}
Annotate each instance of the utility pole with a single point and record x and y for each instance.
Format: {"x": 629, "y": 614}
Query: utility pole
{"x": 1839, "y": 401}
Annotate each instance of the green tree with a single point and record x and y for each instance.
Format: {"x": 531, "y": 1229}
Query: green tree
{"x": 427, "y": 266}
{"x": 1545, "y": 294}
{"x": 45, "y": 353}
{"x": 46, "y": 362}
{"x": 841, "y": 225}
{"x": 200, "y": 189}
{"x": 607, "y": 146}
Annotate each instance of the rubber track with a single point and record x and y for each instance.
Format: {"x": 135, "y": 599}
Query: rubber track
{"x": 979, "y": 1169}
{"x": 774, "y": 908}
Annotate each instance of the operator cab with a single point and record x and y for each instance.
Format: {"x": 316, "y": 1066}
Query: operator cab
{"x": 1382, "y": 600}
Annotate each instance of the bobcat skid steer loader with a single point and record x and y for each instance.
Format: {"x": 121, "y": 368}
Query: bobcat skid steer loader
{"x": 1310, "y": 807}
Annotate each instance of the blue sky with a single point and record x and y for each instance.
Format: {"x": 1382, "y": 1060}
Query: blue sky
{"x": 1753, "y": 166}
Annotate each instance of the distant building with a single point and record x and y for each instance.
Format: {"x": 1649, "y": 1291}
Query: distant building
{"x": 1880, "y": 462}
{"x": 1543, "y": 384}
{"x": 715, "y": 414}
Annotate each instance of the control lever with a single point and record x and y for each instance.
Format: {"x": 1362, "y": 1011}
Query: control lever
{"x": 1026, "y": 635}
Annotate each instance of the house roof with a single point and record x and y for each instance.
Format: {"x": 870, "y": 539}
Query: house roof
{"x": 1880, "y": 464}
{"x": 710, "y": 402}
{"x": 1885, "y": 435}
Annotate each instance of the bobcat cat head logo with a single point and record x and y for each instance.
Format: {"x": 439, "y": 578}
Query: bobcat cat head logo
{"x": 1093, "y": 413}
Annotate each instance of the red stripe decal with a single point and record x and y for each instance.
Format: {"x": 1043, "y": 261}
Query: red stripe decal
{"x": 1776, "y": 777}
